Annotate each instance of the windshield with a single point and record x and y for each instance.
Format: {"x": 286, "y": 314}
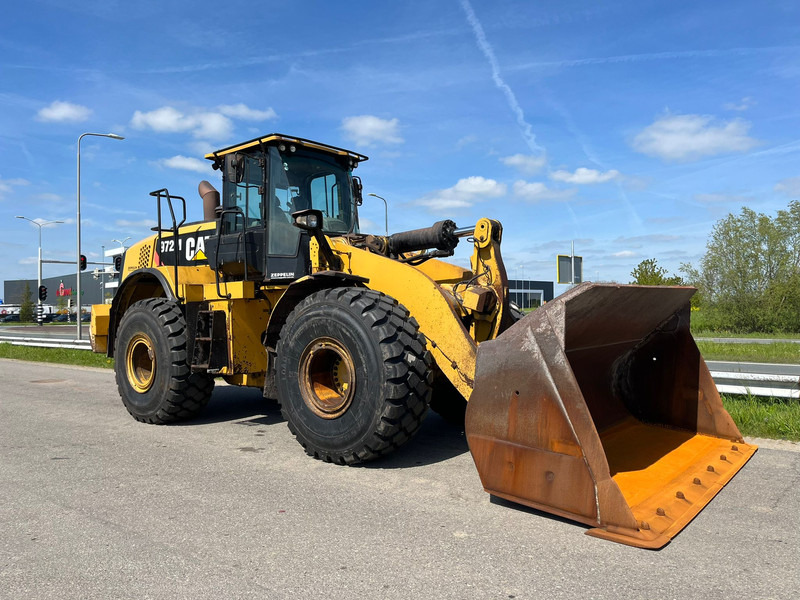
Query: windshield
{"x": 299, "y": 181}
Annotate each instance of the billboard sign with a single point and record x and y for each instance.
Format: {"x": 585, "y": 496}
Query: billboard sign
{"x": 564, "y": 264}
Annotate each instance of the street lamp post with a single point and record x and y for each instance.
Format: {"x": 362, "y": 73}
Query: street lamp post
{"x": 113, "y": 136}
{"x": 122, "y": 242}
{"x": 386, "y": 210}
{"x": 39, "y": 225}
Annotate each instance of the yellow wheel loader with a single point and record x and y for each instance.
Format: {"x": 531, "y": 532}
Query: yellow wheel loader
{"x": 597, "y": 407}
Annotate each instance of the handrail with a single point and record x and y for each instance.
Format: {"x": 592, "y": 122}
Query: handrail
{"x": 174, "y": 229}
{"x": 237, "y": 212}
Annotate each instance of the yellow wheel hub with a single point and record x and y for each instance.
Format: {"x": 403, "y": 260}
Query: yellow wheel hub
{"x": 327, "y": 378}
{"x": 140, "y": 363}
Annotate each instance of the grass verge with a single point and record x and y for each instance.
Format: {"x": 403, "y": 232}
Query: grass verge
{"x": 776, "y": 418}
{"x": 776, "y": 352}
{"x": 707, "y": 333}
{"x": 56, "y": 355}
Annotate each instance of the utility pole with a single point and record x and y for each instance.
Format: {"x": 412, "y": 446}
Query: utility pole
{"x": 39, "y": 306}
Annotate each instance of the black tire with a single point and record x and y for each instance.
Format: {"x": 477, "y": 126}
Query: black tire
{"x": 152, "y": 367}
{"x": 353, "y": 374}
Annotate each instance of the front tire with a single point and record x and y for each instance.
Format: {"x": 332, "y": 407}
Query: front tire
{"x": 353, "y": 374}
{"x": 152, "y": 368}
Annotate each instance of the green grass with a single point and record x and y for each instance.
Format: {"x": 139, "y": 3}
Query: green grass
{"x": 56, "y": 355}
{"x": 707, "y": 333}
{"x": 776, "y": 352}
{"x": 775, "y": 418}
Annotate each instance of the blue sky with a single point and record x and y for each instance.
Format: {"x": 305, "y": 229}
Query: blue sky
{"x": 628, "y": 127}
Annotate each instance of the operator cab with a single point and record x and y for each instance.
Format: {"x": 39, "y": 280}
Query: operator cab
{"x": 264, "y": 182}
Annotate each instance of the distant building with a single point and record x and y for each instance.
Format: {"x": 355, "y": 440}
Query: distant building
{"x": 62, "y": 291}
{"x": 529, "y": 294}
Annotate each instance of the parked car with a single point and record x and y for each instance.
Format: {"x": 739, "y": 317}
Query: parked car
{"x": 61, "y": 318}
{"x": 11, "y": 319}
{"x": 86, "y": 317}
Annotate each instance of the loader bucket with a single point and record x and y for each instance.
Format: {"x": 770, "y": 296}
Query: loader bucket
{"x": 599, "y": 407}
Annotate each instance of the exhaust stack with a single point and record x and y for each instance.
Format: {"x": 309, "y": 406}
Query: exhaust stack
{"x": 210, "y": 197}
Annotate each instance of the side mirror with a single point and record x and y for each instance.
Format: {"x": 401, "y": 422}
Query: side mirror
{"x": 357, "y": 187}
{"x": 234, "y": 168}
{"x": 309, "y": 219}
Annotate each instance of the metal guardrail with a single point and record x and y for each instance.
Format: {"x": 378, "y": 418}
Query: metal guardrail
{"x": 780, "y": 381}
{"x": 46, "y": 342}
{"x": 757, "y": 379}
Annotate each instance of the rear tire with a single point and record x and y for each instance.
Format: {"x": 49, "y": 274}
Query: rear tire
{"x": 152, "y": 367}
{"x": 353, "y": 374}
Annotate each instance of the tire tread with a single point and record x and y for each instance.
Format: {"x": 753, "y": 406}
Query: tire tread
{"x": 407, "y": 364}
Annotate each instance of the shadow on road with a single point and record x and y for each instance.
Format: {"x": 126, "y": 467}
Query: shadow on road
{"x": 436, "y": 440}
{"x": 496, "y": 500}
{"x": 232, "y": 403}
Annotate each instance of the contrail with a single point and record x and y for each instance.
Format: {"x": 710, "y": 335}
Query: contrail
{"x": 486, "y": 48}
{"x": 679, "y": 54}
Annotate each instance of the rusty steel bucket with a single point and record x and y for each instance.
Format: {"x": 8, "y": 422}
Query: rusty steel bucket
{"x": 599, "y": 407}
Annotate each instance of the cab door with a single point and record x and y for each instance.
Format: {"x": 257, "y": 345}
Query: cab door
{"x": 237, "y": 249}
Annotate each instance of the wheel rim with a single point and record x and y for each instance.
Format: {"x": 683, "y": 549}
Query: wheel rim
{"x": 140, "y": 363}
{"x": 327, "y": 378}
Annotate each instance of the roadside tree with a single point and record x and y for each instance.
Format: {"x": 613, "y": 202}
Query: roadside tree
{"x": 26, "y": 307}
{"x": 750, "y": 274}
{"x": 648, "y": 272}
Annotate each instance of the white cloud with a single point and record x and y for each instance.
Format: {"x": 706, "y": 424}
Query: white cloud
{"x": 683, "y": 138}
{"x": 465, "y": 141}
{"x": 366, "y": 130}
{"x": 164, "y": 119}
{"x": 790, "y": 187}
{"x": 245, "y": 113}
{"x": 584, "y": 176}
{"x": 211, "y": 126}
{"x": 7, "y": 186}
{"x": 624, "y": 254}
{"x": 536, "y": 191}
{"x": 148, "y": 223}
{"x": 527, "y": 164}
{"x": 63, "y": 112}
{"x": 463, "y": 194}
{"x": 186, "y": 163}
{"x": 202, "y": 124}
{"x": 742, "y": 105}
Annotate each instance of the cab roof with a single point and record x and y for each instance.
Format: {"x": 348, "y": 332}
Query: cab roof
{"x": 276, "y": 138}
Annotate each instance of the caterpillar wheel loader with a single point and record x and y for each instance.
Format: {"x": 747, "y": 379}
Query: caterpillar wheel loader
{"x": 597, "y": 407}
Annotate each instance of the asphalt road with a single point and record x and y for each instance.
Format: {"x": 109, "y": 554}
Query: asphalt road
{"x": 96, "y": 505}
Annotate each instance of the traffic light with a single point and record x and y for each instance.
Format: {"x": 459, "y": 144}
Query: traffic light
{"x": 83, "y": 262}
{"x": 118, "y": 263}
{"x": 42, "y": 293}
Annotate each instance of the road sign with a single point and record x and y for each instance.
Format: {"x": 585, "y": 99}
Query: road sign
{"x": 564, "y": 268}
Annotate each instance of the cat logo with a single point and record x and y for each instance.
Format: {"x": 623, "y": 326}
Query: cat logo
{"x": 196, "y": 248}
{"x": 199, "y": 255}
